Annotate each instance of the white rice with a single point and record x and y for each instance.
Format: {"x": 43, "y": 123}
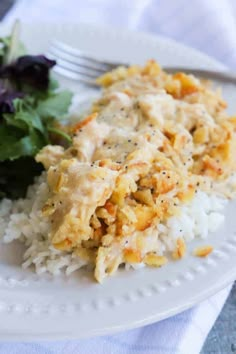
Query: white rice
{"x": 22, "y": 220}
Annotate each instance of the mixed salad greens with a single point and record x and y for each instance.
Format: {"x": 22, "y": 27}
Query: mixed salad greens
{"x": 31, "y": 107}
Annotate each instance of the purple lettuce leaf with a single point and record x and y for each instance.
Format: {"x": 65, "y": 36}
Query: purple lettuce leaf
{"x": 31, "y": 70}
{"x": 7, "y": 101}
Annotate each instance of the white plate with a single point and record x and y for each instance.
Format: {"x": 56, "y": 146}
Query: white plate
{"x": 34, "y": 307}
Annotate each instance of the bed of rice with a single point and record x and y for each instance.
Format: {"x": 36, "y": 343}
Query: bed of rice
{"x": 22, "y": 220}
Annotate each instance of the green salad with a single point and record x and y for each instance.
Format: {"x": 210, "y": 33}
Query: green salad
{"x": 31, "y": 108}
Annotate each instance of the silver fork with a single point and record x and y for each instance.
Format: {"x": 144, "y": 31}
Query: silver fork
{"x": 78, "y": 66}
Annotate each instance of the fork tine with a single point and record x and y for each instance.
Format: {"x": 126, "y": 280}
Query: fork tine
{"x": 73, "y": 64}
{"x": 80, "y": 70}
{"x": 75, "y": 76}
{"x": 76, "y": 61}
{"x": 76, "y": 54}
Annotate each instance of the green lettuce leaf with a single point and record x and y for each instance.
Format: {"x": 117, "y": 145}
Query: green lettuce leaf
{"x": 55, "y": 105}
{"x": 24, "y": 118}
{"x": 12, "y": 148}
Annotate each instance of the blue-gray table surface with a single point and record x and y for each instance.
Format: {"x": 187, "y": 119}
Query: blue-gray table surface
{"x": 222, "y": 338}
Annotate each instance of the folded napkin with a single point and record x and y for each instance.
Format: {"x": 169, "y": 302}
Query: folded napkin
{"x": 207, "y": 25}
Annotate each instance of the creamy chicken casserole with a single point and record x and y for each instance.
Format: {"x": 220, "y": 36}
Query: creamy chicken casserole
{"x": 148, "y": 146}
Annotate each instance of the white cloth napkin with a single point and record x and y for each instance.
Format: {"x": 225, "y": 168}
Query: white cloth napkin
{"x": 207, "y": 25}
